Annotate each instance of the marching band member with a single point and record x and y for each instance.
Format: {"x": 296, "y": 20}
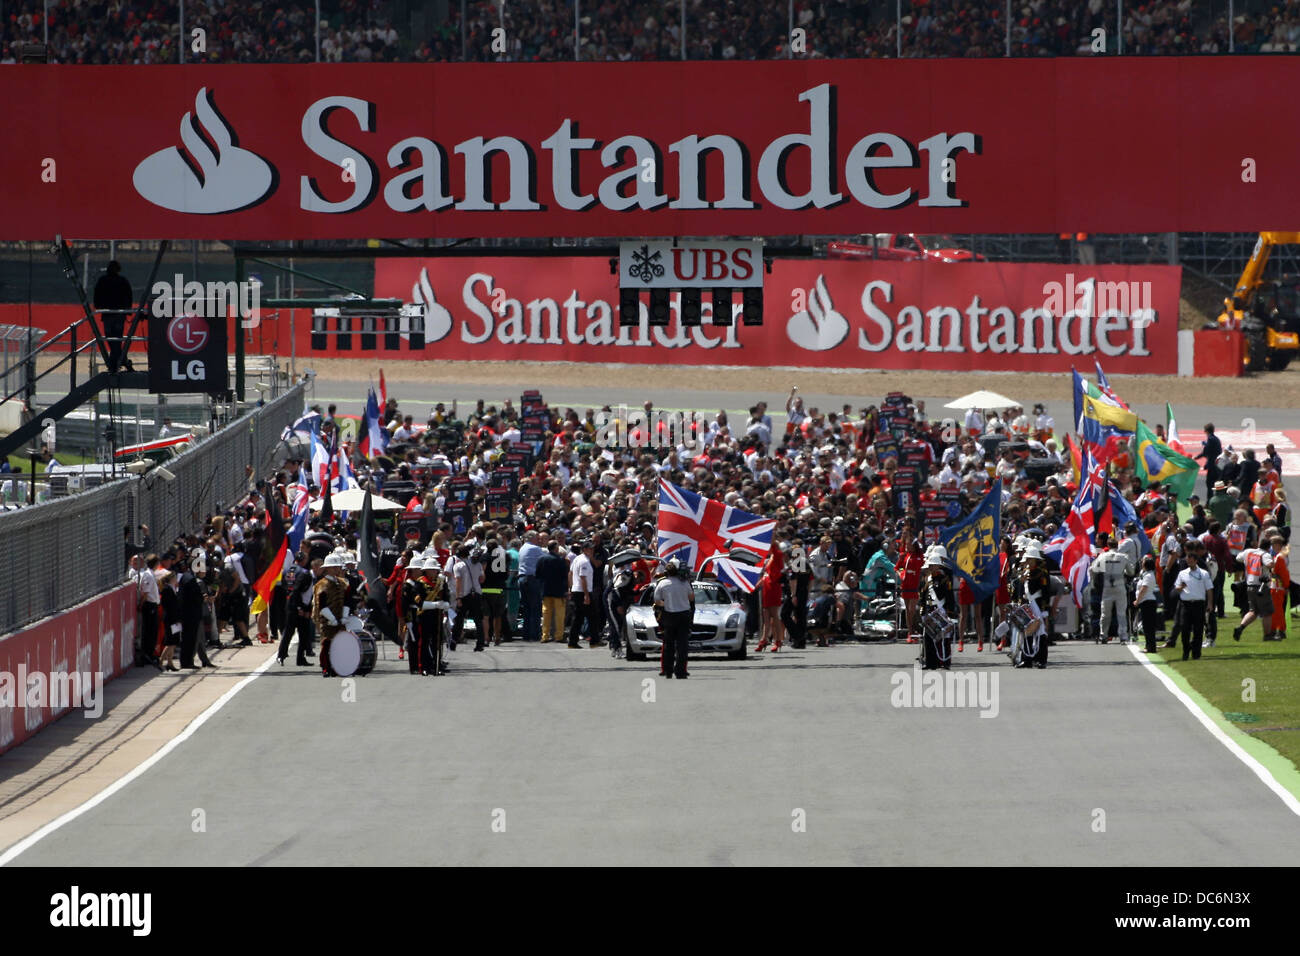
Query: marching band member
{"x": 1032, "y": 589}
{"x": 327, "y": 607}
{"x": 936, "y": 643}
{"x": 431, "y": 614}
{"x": 410, "y": 590}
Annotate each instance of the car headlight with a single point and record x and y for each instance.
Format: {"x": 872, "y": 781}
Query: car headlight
{"x": 733, "y": 620}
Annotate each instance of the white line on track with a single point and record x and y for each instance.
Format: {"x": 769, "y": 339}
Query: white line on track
{"x": 1257, "y": 768}
{"x": 29, "y": 841}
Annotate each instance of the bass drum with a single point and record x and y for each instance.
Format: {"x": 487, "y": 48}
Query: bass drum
{"x": 345, "y": 653}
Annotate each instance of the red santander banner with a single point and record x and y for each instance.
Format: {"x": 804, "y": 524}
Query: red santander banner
{"x": 823, "y": 313}
{"x": 61, "y": 664}
{"x": 822, "y": 147}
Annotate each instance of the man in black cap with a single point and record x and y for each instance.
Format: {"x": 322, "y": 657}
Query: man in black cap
{"x": 113, "y": 292}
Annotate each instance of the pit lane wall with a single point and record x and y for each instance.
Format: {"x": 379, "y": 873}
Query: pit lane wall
{"x": 62, "y": 664}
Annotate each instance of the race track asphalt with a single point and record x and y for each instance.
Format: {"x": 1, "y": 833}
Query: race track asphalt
{"x": 1089, "y": 762}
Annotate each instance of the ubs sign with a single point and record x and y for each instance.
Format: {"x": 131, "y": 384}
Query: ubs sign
{"x": 663, "y": 264}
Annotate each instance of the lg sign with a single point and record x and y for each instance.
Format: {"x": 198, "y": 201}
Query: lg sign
{"x": 187, "y": 353}
{"x": 663, "y": 264}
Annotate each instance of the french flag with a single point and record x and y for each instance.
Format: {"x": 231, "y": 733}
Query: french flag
{"x": 374, "y": 440}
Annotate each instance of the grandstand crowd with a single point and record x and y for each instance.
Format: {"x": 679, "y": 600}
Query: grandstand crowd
{"x": 359, "y": 31}
{"x": 825, "y": 477}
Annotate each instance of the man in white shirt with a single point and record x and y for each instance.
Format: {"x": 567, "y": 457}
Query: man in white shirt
{"x": 1195, "y": 588}
{"x": 235, "y": 563}
{"x": 150, "y": 599}
{"x": 404, "y": 431}
{"x": 974, "y": 421}
{"x": 582, "y": 591}
{"x": 461, "y": 587}
{"x": 1044, "y": 424}
{"x": 675, "y": 596}
{"x": 758, "y": 429}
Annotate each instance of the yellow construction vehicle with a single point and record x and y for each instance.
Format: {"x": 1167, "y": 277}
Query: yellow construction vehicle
{"x": 1267, "y": 313}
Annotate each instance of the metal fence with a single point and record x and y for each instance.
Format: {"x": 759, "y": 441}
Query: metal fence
{"x": 58, "y": 554}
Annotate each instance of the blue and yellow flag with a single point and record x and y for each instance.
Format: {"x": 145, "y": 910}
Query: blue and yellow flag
{"x": 973, "y": 543}
{"x": 1105, "y": 428}
{"x": 1158, "y": 463}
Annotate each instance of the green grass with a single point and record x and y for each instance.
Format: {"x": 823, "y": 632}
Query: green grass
{"x": 66, "y": 458}
{"x": 1275, "y": 669}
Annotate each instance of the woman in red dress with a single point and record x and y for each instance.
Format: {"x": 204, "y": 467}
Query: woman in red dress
{"x": 769, "y": 591}
{"x": 968, "y": 608}
{"x": 1003, "y": 595}
{"x": 909, "y": 575}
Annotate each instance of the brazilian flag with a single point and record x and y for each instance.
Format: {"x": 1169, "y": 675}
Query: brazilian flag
{"x": 1158, "y": 463}
{"x": 973, "y": 544}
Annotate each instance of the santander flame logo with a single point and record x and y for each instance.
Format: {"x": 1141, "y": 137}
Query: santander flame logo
{"x": 437, "y": 319}
{"x": 820, "y": 327}
{"x": 212, "y": 175}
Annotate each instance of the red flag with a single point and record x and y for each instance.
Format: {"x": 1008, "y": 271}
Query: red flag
{"x": 383, "y": 393}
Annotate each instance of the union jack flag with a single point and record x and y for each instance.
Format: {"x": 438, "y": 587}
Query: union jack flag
{"x": 693, "y": 528}
{"x": 1071, "y": 546}
{"x": 1103, "y": 386}
{"x": 298, "y": 521}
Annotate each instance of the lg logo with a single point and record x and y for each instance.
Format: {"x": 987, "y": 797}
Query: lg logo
{"x": 187, "y": 334}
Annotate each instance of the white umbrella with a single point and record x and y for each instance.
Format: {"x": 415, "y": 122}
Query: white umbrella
{"x": 982, "y": 399}
{"x": 352, "y": 499}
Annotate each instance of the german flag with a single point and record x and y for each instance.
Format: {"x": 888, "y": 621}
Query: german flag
{"x": 271, "y": 560}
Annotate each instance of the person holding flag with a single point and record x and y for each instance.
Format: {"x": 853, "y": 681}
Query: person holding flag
{"x": 973, "y": 545}
{"x": 1106, "y": 429}
{"x": 292, "y": 572}
{"x": 1171, "y": 431}
{"x": 373, "y": 439}
{"x": 1071, "y": 546}
{"x": 271, "y": 562}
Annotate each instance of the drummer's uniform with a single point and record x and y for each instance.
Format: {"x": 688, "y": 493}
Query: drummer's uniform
{"x": 426, "y": 656}
{"x": 412, "y": 596}
{"x": 936, "y": 644}
{"x": 1037, "y": 587}
{"x": 330, "y": 593}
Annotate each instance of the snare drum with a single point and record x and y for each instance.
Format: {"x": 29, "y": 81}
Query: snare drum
{"x": 1021, "y": 618}
{"x": 935, "y": 620}
{"x": 345, "y": 653}
{"x": 1024, "y": 620}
